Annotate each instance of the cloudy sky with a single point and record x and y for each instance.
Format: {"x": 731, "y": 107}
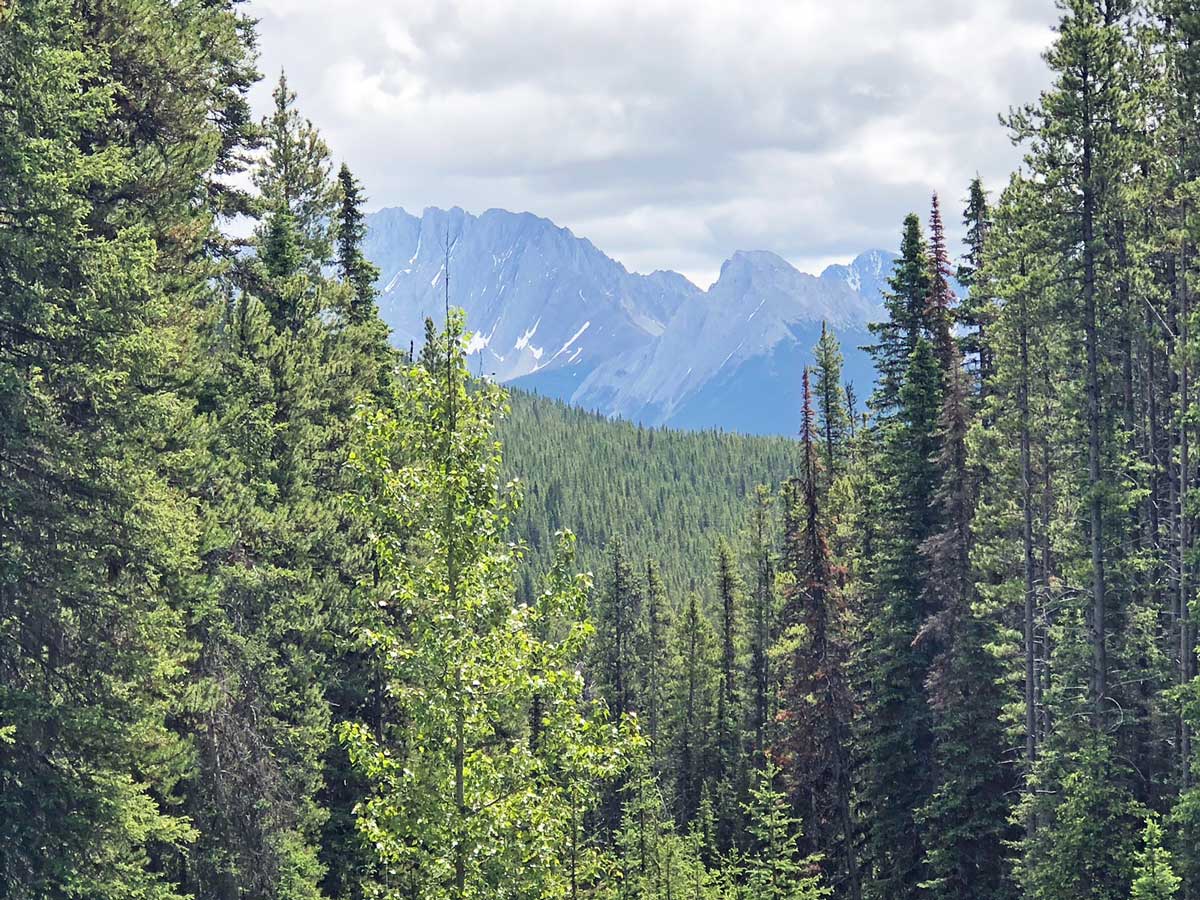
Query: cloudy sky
{"x": 670, "y": 132}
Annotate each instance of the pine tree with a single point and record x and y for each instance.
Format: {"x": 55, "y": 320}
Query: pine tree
{"x": 729, "y": 772}
{"x": 762, "y": 616}
{"x": 694, "y": 694}
{"x": 107, "y": 256}
{"x": 296, "y": 174}
{"x": 965, "y": 821}
{"x": 616, "y": 676}
{"x": 430, "y": 357}
{"x": 905, "y": 304}
{"x": 1079, "y": 158}
{"x": 774, "y": 869}
{"x": 832, "y": 409}
{"x": 655, "y": 662}
{"x": 618, "y": 617}
{"x": 815, "y": 709}
{"x": 656, "y": 862}
{"x": 264, "y": 734}
{"x": 1154, "y": 878}
{"x": 359, "y": 370}
{"x": 895, "y": 737}
{"x": 977, "y": 310}
{"x": 278, "y": 558}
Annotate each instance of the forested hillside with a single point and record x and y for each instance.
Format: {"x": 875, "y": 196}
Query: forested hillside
{"x": 665, "y": 495}
{"x": 266, "y": 628}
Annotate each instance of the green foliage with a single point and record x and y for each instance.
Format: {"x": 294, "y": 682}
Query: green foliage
{"x": 896, "y": 336}
{"x": 665, "y": 494}
{"x": 482, "y": 775}
{"x": 833, "y": 418}
{"x": 1153, "y": 877}
{"x": 774, "y": 869}
{"x": 894, "y": 731}
{"x": 102, "y": 255}
{"x": 274, "y": 625}
{"x": 695, "y": 687}
{"x": 354, "y": 268}
{"x": 296, "y": 175}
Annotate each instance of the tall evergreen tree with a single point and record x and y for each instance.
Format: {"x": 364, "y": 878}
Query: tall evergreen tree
{"x": 815, "y": 711}
{"x": 832, "y": 410}
{"x": 353, "y": 267}
{"x": 296, "y": 174}
{"x": 106, "y": 257}
{"x": 655, "y": 662}
{"x": 939, "y": 311}
{"x": 977, "y": 310}
{"x": 905, "y": 303}
{"x": 695, "y": 688}
{"x": 774, "y": 868}
{"x": 895, "y": 737}
{"x": 729, "y": 771}
{"x": 965, "y": 821}
{"x": 618, "y": 617}
{"x": 762, "y": 623}
{"x": 1154, "y": 878}
{"x": 1078, "y": 155}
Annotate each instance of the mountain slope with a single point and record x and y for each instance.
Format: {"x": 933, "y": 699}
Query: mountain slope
{"x": 552, "y": 314}
{"x": 733, "y": 357}
{"x": 664, "y": 493}
{"x": 536, "y": 297}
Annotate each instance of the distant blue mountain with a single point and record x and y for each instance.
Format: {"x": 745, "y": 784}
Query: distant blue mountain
{"x": 551, "y": 313}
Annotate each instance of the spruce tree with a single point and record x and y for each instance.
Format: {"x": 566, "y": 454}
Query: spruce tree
{"x": 833, "y": 415}
{"x": 618, "y": 617}
{"x": 107, "y": 254}
{"x": 278, "y": 561}
{"x": 694, "y": 694}
{"x": 965, "y": 821}
{"x": 977, "y": 311}
{"x": 939, "y": 312}
{"x": 1079, "y": 156}
{"x": 815, "y": 706}
{"x": 905, "y": 303}
{"x": 894, "y": 732}
{"x": 616, "y": 675}
{"x": 354, "y": 268}
{"x": 296, "y": 174}
{"x": 729, "y": 771}
{"x": 1154, "y": 878}
{"x": 655, "y": 661}
{"x": 762, "y": 624}
{"x": 774, "y": 869}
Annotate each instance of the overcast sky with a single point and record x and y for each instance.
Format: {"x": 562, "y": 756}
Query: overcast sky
{"x": 669, "y": 132}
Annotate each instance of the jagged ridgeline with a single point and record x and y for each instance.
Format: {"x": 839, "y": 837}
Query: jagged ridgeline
{"x": 665, "y": 494}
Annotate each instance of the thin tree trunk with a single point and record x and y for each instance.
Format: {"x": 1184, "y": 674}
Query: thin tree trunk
{"x": 1027, "y": 540}
{"x": 1091, "y": 341}
{"x": 1047, "y": 562}
{"x": 460, "y": 851}
{"x": 1185, "y": 638}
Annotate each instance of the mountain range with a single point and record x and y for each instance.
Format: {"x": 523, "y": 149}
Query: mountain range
{"x": 551, "y": 313}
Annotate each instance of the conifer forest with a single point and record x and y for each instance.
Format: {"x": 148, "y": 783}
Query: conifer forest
{"x": 288, "y": 614}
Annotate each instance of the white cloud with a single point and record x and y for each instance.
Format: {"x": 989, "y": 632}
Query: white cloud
{"x": 670, "y": 132}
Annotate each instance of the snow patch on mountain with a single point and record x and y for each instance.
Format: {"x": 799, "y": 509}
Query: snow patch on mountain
{"x": 523, "y": 340}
